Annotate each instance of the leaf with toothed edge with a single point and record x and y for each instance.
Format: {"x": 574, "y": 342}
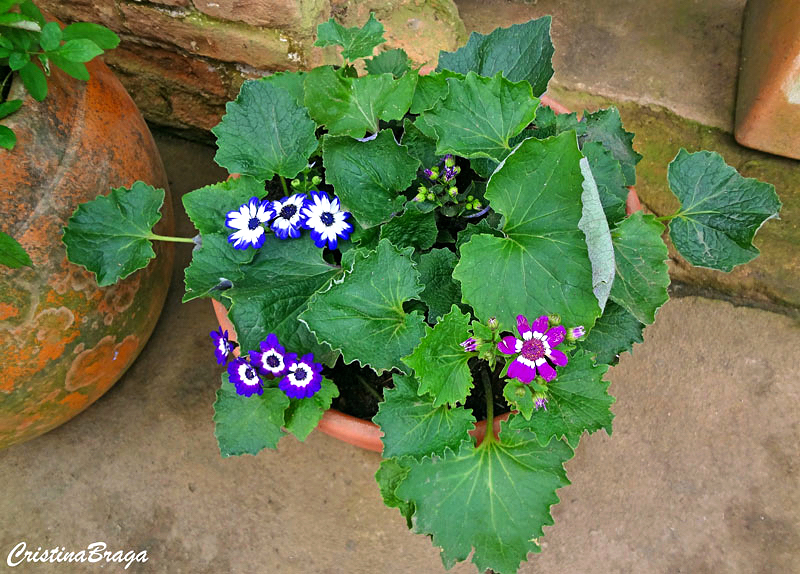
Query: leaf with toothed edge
{"x": 214, "y": 263}
{"x": 362, "y": 314}
{"x": 413, "y": 426}
{"x": 493, "y": 499}
{"x": 208, "y": 206}
{"x": 436, "y": 273}
{"x": 614, "y": 333}
{"x": 390, "y": 474}
{"x": 356, "y": 42}
{"x": 440, "y": 362}
{"x": 577, "y": 401}
{"x": 605, "y": 126}
{"x": 303, "y": 415}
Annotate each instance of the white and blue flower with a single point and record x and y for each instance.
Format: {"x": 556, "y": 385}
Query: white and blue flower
{"x": 244, "y": 377}
{"x": 289, "y": 217}
{"x": 248, "y": 221}
{"x": 326, "y": 220}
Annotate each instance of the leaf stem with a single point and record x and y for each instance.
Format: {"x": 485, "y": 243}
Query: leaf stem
{"x": 488, "y": 437}
{"x": 669, "y": 217}
{"x": 283, "y": 183}
{"x": 172, "y": 239}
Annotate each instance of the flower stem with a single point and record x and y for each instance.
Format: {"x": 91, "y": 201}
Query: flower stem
{"x": 488, "y": 437}
{"x": 172, "y": 239}
{"x": 283, "y": 183}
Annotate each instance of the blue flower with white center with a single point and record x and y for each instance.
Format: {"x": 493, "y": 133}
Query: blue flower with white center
{"x": 270, "y": 361}
{"x": 326, "y": 220}
{"x": 289, "y": 218}
{"x": 303, "y": 377}
{"x": 222, "y": 345}
{"x": 248, "y": 221}
{"x": 244, "y": 377}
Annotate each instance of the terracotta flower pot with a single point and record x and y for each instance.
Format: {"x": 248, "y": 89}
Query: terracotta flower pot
{"x": 63, "y": 340}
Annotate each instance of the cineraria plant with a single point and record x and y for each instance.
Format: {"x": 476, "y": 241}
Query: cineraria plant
{"x": 445, "y": 240}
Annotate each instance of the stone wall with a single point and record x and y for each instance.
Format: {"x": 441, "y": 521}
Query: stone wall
{"x": 182, "y": 60}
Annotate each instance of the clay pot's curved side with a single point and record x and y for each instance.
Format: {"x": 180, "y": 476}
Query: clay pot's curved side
{"x": 65, "y": 341}
{"x": 367, "y": 434}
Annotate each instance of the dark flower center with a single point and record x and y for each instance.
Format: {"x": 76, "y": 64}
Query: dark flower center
{"x": 253, "y": 223}
{"x": 273, "y": 361}
{"x": 300, "y": 374}
{"x": 327, "y": 219}
{"x": 250, "y": 373}
{"x": 287, "y": 211}
{"x": 532, "y": 350}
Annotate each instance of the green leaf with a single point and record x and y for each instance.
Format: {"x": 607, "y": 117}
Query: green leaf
{"x": 605, "y": 126}
{"x": 18, "y": 60}
{"x": 247, "y": 425}
{"x": 607, "y": 173}
{"x": 436, "y": 274}
{"x": 520, "y": 52}
{"x": 720, "y": 210}
{"x": 413, "y": 426}
{"x": 494, "y": 499}
{"x": 9, "y": 107}
{"x": 390, "y": 474}
{"x": 50, "y": 38}
{"x": 30, "y": 10}
{"x": 264, "y": 132}
{"x": 642, "y": 273}
{"x": 413, "y": 228}
{"x": 369, "y": 176}
{"x": 548, "y": 124}
{"x": 614, "y": 333}
{"x": 542, "y": 265}
{"x": 274, "y": 289}
{"x": 479, "y": 116}
{"x": 482, "y": 227}
{"x": 430, "y": 89}
{"x": 7, "y": 138}
{"x": 440, "y": 362}
{"x": 20, "y": 22}
{"x": 577, "y": 401}
{"x": 79, "y": 50}
{"x": 215, "y": 266}
{"x": 519, "y": 397}
{"x": 354, "y": 106}
{"x": 394, "y": 62}
{"x": 111, "y": 234}
{"x": 208, "y": 206}
{"x": 419, "y": 145}
{"x": 594, "y": 225}
{"x": 355, "y": 42}
{"x": 363, "y": 316}
{"x": 34, "y": 80}
{"x": 74, "y": 69}
{"x": 303, "y": 415}
{"x": 292, "y": 82}
{"x": 104, "y": 38}
{"x": 12, "y": 254}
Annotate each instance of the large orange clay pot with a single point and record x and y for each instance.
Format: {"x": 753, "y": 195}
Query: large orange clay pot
{"x": 63, "y": 340}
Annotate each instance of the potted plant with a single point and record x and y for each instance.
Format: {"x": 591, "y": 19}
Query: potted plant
{"x": 441, "y": 249}
{"x": 64, "y": 140}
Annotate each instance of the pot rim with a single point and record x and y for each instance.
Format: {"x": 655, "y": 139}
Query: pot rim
{"x": 365, "y": 433}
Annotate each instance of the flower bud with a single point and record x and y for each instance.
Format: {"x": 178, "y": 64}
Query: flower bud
{"x": 316, "y": 180}
{"x": 456, "y": 170}
{"x": 449, "y": 160}
{"x": 554, "y": 319}
{"x": 520, "y": 392}
{"x": 422, "y": 190}
{"x": 575, "y": 333}
{"x": 431, "y": 196}
{"x": 470, "y": 345}
{"x": 492, "y": 323}
{"x": 452, "y": 192}
{"x": 295, "y": 183}
{"x": 476, "y": 205}
{"x": 539, "y": 401}
{"x": 470, "y": 198}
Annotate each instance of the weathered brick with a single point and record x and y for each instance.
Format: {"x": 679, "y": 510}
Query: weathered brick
{"x": 225, "y": 41}
{"x": 270, "y": 13}
{"x": 103, "y": 12}
{"x": 195, "y": 111}
{"x": 171, "y": 68}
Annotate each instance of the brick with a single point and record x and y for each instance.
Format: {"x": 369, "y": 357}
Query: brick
{"x": 269, "y": 13}
{"x": 103, "y": 12}
{"x": 195, "y": 111}
{"x": 224, "y": 41}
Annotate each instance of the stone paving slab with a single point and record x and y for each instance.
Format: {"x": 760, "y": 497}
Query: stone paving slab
{"x": 699, "y": 477}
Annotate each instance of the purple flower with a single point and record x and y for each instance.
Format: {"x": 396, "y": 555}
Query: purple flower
{"x": 244, "y": 376}
{"x": 539, "y": 401}
{"x": 222, "y": 345}
{"x": 289, "y": 219}
{"x": 576, "y": 333}
{"x": 326, "y": 220}
{"x": 303, "y": 378}
{"x": 248, "y": 221}
{"x": 536, "y": 349}
{"x": 469, "y": 345}
{"x": 271, "y": 359}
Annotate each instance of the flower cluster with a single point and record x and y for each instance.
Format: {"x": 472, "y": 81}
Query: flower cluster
{"x": 300, "y": 378}
{"x": 318, "y": 213}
